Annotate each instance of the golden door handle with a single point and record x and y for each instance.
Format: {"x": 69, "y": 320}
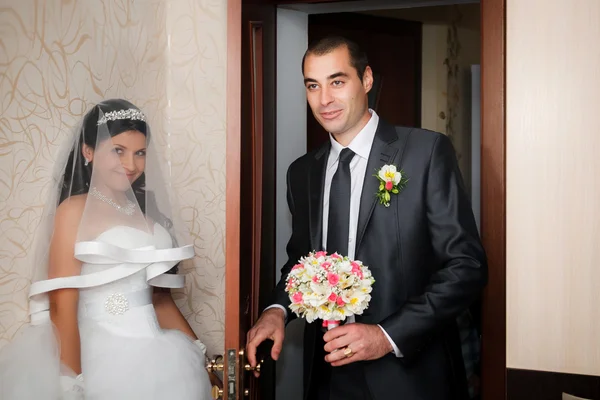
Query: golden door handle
{"x": 248, "y": 367}
{"x": 216, "y": 393}
{"x": 216, "y": 364}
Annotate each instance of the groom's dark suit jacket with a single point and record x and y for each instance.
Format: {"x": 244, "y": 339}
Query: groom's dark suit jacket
{"x": 423, "y": 250}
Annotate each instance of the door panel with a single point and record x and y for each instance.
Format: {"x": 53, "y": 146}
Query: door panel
{"x": 394, "y": 50}
{"x": 257, "y": 220}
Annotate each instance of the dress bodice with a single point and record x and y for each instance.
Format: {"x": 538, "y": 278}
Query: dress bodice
{"x": 119, "y": 268}
{"x": 126, "y": 238}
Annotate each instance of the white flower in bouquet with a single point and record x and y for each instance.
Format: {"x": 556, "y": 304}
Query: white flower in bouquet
{"x": 329, "y": 287}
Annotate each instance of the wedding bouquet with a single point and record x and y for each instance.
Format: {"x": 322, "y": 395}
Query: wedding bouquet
{"x": 329, "y": 287}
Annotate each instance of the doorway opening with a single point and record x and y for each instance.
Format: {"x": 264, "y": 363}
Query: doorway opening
{"x": 426, "y": 59}
{"x": 284, "y": 31}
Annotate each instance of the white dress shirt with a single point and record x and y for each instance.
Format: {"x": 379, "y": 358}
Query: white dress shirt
{"x": 361, "y": 146}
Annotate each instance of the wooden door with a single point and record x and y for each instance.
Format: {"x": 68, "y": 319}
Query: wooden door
{"x": 250, "y": 240}
{"x": 393, "y": 47}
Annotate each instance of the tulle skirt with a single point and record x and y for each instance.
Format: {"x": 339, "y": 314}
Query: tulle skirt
{"x": 30, "y": 366}
{"x": 162, "y": 365}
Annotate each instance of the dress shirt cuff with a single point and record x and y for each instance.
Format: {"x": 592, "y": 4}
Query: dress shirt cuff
{"x": 396, "y": 349}
{"x": 285, "y": 315}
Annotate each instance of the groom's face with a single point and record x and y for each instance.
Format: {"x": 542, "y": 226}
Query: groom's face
{"x": 335, "y": 93}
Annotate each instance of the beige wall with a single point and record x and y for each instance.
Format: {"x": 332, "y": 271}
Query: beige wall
{"x": 553, "y": 186}
{"x": 169, "y": 58}
{"x": 459, "y": 97}
{"x": 434, "y": 77}
{"x": 448, "y": 52}
{"x": 451, "y": 44}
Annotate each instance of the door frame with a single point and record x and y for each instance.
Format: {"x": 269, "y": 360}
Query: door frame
{"x": 493, "y": 196}
{"x": 493, "y": 185}
{"x": 233, "y": 133}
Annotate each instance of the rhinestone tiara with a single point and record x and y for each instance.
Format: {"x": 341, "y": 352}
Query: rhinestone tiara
{"x": 130, "y": 113}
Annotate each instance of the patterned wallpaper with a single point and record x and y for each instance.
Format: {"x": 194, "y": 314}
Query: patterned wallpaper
{"x": 168, "y": 57}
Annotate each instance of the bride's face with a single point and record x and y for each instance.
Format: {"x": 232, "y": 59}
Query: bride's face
{"x": 120, "y": 161}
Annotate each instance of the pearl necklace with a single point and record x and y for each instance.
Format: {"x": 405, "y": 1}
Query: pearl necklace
{"x": 128, "y": 209}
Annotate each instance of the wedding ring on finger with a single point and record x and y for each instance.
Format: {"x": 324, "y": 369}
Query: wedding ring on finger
{"x": 348, "y": 352}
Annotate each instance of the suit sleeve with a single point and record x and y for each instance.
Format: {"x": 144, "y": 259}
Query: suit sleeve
{"x": 298, "y": 245}
{"x": 457, "y": 247}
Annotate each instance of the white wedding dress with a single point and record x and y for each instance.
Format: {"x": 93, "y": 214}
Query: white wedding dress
{"x": 124, "y": 353}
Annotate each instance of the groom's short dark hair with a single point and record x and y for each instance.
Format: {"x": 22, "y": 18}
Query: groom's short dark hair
{"x": 358, "y": 58}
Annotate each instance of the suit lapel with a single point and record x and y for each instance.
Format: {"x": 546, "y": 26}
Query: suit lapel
{"x": 317, "y": 187}
{"x": 383, "y": 152}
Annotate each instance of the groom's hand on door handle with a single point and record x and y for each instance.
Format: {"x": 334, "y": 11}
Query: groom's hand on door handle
{"x": 270, "y": 325}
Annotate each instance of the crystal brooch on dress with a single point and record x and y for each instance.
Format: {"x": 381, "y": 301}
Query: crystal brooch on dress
{"x": 116, "y": 304}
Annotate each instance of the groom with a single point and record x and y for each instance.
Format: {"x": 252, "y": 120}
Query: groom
{"x": 423, "y": 249}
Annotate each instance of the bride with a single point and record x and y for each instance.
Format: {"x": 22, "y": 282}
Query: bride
{"x": 103, "y": 323}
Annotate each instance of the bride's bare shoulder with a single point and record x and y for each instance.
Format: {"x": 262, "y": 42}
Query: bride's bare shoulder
{"x": 66, "y": 223}
{"x": 70, "y": 210}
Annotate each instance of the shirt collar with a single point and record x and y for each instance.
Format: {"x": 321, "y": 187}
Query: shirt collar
{"x": 360, "y": 145}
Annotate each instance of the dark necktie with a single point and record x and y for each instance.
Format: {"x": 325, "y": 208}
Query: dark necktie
{"x": 338, "y": 224}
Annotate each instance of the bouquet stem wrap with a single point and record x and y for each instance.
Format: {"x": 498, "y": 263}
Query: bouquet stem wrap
{"x": 330, "y": 324}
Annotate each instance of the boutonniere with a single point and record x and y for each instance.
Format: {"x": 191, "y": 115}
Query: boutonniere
{"x": 391, "y": 181}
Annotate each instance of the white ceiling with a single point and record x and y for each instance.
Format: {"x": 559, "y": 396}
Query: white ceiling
{"x": 370, "y": 5}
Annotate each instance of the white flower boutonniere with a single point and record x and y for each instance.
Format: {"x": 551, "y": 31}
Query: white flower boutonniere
{"x": 391, "y": 181}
